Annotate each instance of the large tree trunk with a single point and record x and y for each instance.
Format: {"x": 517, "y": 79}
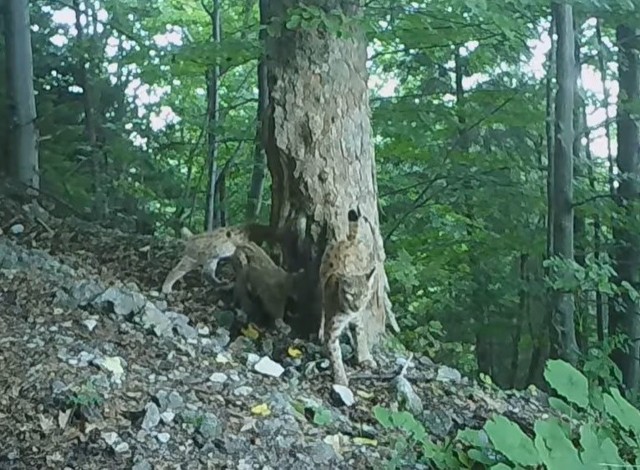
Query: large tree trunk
{"x": 319, "y": 145}
{"x": 625, "y": 318}
{"x": 23, "y": 159}
{"x": 562, "y": 322}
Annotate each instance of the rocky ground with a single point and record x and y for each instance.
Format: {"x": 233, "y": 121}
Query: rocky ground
{"x": 98, "y": 370}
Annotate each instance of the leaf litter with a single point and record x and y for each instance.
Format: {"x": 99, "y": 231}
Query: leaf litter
{"x": 99, "y": 370}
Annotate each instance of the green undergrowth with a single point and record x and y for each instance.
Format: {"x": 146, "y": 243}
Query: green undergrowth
{"x": 594, "y": 429}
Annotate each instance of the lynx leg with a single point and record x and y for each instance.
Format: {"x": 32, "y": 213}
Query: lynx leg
{"x": 210, "y": 269}
{"x": 336, "y": 325}
{"x": 363, "y": 352}
{"x": 321, "y": 330}
{"x": 185, "y": 265}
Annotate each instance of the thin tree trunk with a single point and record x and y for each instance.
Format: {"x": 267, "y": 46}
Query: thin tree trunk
{"x": 579, "y": 219}
{"x": 210, "y": 221}
{"x": 604, "y": 73}
{"x": 597, "y": 232}
{"x": 320, "y": 149}
{"x": 23, "y": 161}
{"x": 625, "y": 318}
{"x": 90, "y": 119}
{"x": 603, "y": 66}
{"x": 562, "y": 327}
{"x": 540, "y": 338}
{"x": 254, "y": 199}
{"x": 221, "y": 195}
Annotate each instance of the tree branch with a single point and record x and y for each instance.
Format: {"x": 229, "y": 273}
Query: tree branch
{"x": 593, "y": 198}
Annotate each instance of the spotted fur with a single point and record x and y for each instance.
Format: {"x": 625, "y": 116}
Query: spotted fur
{"x": 347, "y": 277}
{"x": 207, "y": 249}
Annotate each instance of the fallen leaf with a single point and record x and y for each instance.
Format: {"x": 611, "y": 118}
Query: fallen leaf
{"x": 294, "y": 352}
{"x": 46, "y": 423}
{"x": 63, "y": 418}
{"x": 251, "y": 332}
{"x": 261, "y": 410}
{"x": 363, "y": 394}
{"x": 363, "y": 441}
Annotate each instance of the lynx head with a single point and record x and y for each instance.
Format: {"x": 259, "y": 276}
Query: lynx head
{"x": 355, "y": 290}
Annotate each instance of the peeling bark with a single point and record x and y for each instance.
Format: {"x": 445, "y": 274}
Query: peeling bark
{"x": 319, "y": 146}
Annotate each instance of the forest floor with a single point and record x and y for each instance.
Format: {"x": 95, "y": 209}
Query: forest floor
{"x": 99, "y": 370}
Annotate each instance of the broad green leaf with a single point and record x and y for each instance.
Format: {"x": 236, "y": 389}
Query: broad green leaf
{"x": 624, "y": 412}
{"x": 596, "y": 454}
{"x": 561, "y": 405}
{"x": 554, "y": 447}
{"x": 567, "y": 381}
{"x": 508, "y": 438}
{"x": 383, "y": 415}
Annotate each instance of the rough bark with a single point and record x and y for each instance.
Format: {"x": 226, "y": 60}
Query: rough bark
{"x": 254, "y": 199}
{"x": 562, "y": 326}
{"x": 23, "y": 158}
{"x": 625, "y": 318}
{"x": 319, "y": 146}
{"x": 210, "y": 219}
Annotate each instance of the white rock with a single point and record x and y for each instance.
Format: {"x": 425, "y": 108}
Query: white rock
{"x": 345, "y": 394}
{"x": 17, "y": 229}
{"x": 167, "y": 417}
{"x": 218, "y": 377}
{"x": 151, "y": 417}
{"x": 110, "y": 437}
{"x": 447, "y": 374}
{"x": 243, "y": 391}
{"x": 121, "y": 447}
{"x": 164, "y": 437}
{"x": 268, "y": 367}
{"x": 90, "y": 324}
{"x": 252, "y": 359}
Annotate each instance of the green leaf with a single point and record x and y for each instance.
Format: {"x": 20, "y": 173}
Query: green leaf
{"x": 619, "y": 408}
{"x": 383, "y": 415}
{"x": 568, "y": 382}
{"x": 554, "y": 447}
{"x": 474, "y": 437}
{"x": 508, "y": 438}
{"x": 598, "y": 454}
{"x": 322, "y": 417}
{"x": 479, "y": 456}
{"x": 293, "y": 22}
{"x": 561, "y": 406}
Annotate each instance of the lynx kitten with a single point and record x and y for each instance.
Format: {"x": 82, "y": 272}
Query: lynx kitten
{"x": 259, "y": 278}
{"x": 347, "y": 275}
{"x": 207, "y": 249}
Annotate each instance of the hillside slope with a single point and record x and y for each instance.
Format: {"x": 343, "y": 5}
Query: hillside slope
{"x": 98, "y": 370}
